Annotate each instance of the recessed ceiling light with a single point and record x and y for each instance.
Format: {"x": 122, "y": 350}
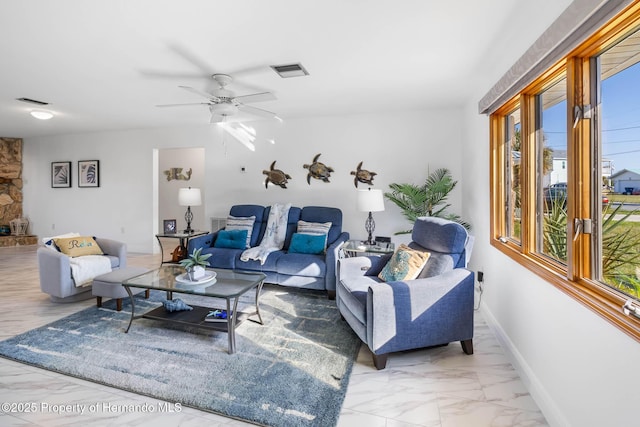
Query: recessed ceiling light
{"x": 41, "y": 114}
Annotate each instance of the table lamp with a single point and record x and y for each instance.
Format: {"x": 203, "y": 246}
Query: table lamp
{"x": 370, "y": 200}
{"x": 189, "y": 197}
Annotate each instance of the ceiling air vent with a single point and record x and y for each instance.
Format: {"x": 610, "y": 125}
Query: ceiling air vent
{"x": 290, "y": 70}
{"x": 33, "y": 101}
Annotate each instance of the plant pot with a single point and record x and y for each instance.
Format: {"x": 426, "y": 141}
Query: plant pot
{"x": 195, "y": 273}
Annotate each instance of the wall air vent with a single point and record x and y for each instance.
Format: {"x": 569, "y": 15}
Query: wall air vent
{"x": 290, "y": 70}
{"x": 33, "y": 101}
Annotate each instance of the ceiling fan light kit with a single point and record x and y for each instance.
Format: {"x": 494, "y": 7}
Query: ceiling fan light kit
{"x": 41, "y": 114}
{"x": 223, "y": 109}
{"x": 223, "y": 103}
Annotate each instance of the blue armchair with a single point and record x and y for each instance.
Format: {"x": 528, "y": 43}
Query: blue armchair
{"x": 434, "y": 309}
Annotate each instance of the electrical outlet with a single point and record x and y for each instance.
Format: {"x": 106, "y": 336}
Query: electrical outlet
{"x": 480, "y": 276}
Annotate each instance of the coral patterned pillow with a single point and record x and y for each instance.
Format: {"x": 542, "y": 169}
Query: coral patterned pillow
{"x": 405, "y": 264}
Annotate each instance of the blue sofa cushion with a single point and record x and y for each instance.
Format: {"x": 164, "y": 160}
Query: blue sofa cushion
{"x": 245, "y": 211}
{"x": 439, "y": 235}
{"x": 309, "y": 265}
{"x": 232, "y": 239}
{"x": 254, "y": 265}
{"x": 235, "y": 223}
{"x": 302, "y": 243}
{"x": 324, "y": 214}
{"x": 445, "y": 240}
{"x": 222, "y": 257}
{"x": 356, "y": 296}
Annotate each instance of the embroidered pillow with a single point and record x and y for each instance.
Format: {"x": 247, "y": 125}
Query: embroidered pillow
{"x": 78, "y": 246}
{"x": 404, "y": 264}
{"x": 232, "y": 239}
{"x": 49, "y": 243}
{"x": 316, "y": 228}
{"x": 307, "y": 243}
{"x": 241, "y": 223}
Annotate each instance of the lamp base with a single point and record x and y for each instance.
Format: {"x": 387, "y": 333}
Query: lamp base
{"x": 188, "y": 217}
{"x": 370, "y": 226}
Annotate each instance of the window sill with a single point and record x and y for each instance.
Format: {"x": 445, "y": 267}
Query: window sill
{"x": 600, "y": 299}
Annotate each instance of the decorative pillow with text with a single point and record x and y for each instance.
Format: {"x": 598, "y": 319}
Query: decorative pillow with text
{"x": 78, "y": 246}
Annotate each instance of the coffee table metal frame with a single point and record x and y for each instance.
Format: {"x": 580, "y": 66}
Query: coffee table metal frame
{"x": 229, "y": 285}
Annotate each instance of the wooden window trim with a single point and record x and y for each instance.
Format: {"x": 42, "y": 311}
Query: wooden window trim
{"x": 604, "y": 301}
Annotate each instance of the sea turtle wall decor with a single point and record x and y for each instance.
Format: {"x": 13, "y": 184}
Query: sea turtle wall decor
{"x": 276, "y": 176}
{"x": 318, "y": 170}
{"x": 362, "y": 175}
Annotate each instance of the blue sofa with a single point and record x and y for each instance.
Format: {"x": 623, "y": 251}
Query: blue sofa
{"x": 300, "y": 270}
{"x": 434, "y": 309}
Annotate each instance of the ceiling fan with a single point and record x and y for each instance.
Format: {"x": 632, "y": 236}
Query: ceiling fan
{"x": 223, "y": 103}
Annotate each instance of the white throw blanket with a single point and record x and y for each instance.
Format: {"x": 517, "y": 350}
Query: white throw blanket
{"x": 274, "y": 235}
{"x": 85, "y": 268}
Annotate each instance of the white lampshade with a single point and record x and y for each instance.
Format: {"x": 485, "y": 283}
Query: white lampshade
{"x": 370, "y": 200}
{"x": 189, "y": 197}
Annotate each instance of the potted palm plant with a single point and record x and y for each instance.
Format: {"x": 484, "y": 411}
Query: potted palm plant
{"x": 195, "y": 264}
{"x": 428, "y": 199}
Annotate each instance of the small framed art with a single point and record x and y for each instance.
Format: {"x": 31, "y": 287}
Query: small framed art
{"x": 169, "y": 226}
{"x": 60, "y": 174}
{"x": 88, "y": 173}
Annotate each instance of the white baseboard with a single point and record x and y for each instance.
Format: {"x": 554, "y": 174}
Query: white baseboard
{"x": 547, "y": 405}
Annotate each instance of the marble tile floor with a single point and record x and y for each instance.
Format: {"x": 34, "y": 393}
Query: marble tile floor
{"x": 439, "y": 387}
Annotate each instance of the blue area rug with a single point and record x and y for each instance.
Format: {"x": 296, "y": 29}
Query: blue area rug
{"x": 292, "y": 371}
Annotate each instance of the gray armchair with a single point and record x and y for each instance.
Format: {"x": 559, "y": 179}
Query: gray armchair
{"x": 434, "y": 309}
{"x": 55, "y": 271}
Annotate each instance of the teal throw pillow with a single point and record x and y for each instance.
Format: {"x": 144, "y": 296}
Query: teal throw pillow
{"x": 231, "y": 239}
{"x": 302, "y": 243}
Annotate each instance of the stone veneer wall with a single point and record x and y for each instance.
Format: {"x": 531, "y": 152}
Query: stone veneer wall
{"x": 11, "y": 189}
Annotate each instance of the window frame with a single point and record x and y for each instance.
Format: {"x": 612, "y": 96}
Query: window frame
{"x": 574, "y": 279}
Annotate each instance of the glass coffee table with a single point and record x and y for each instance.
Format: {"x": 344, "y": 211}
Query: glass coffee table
{"x": 227, "y": 284}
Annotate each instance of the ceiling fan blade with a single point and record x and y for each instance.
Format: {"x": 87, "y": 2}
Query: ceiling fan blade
{"x": 257, "y": 111}
{"x": 255, "y": 69}
{"x": 256, "y": 97}
{"x": 191, "y": 57}
{"x": 201, "y": 93}
{"x": 171, "y": 75}
{"x": 216, "y": 118}
{"x": 182, "y": 105}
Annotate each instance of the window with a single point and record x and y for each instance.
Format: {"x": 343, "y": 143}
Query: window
{"x": 617, "y": 75}
{"x": 512, "y": 153}
{"x": 565, "y": 173}
{"x": 551, "y": 172}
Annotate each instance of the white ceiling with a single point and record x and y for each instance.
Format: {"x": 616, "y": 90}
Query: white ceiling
{"x": 105, "y": 65}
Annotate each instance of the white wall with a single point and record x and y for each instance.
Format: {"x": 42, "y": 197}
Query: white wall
{"x": 579, "y": 368}
{"x": 400, "y": 147}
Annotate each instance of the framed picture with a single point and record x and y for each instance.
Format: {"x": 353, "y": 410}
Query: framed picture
{"x": 60, "y": 174}
{"x": 88, "y": 173}
{"x": 169, "y": 226}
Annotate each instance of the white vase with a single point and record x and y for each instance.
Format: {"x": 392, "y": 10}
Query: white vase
{"x": 196, "y": 273}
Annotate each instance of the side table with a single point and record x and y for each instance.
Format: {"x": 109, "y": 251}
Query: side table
{"x": 183, "y": 241}
{"x": 353, "y": 248}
